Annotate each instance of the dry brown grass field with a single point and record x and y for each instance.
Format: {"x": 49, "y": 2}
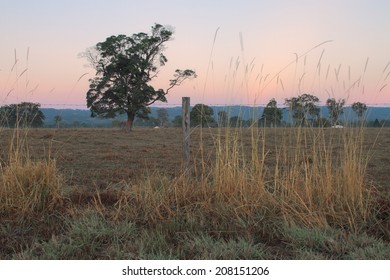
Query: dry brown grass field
{"x": 98, "y": 158}
{"x": 283, "y": 193}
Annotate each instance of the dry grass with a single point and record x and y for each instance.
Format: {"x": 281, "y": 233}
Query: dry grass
{"x": 312, "y": 182}
{"x": 254, "y": 184}
{"x": 93, "y": 158}
{"x": 28, "y": 186}
{"x": 324, "y": 184}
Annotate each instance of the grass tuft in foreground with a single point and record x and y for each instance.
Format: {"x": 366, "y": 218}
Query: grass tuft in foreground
{"x": 28, "y": 186}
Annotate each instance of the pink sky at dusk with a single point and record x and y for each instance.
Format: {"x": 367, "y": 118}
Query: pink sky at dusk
{"x": 253, "y": 59}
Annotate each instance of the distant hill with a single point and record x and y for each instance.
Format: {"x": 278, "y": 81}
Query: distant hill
{"x": 82, "y": 118}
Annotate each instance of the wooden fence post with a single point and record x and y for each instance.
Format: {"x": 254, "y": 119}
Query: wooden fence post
{"x": 186, "y": 132}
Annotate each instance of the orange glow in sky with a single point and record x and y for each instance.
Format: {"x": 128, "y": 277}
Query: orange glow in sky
{"x": 253, "y": 58}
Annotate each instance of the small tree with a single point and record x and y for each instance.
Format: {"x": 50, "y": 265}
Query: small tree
{"x": 335, "y": 109}
{"x": 376, "y": 123}
{"x": 57, "y": 120}
{"x": 201, "y": 115}
{"x": 162, "y": 116}
{"x": 303, "y": 107}
{"x": 25, "y": 114}
{"x": 125, "y": 66}
{"x": 272, "y": 115}
{"x": 359, "y": 108}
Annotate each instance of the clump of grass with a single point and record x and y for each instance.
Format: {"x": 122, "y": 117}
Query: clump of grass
{"x": 28, "y": 186}
{"x": 186, "y": 204}
{"x": 321, "y": 179}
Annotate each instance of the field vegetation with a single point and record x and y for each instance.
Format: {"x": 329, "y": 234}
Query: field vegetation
{"x": 251, "y": 193}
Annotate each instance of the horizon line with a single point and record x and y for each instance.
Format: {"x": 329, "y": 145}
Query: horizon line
{"x": 83, "y": 107}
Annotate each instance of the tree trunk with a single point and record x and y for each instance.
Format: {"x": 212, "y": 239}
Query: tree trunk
{"x": 129, "y": 123}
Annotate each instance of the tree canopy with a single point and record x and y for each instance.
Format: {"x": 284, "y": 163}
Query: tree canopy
{"x": 272, "y": 115}
{"x": 335, "y": 109}
{"x": 25, "y": 114}
{"x": 303, "y": 108}
{"x": 124, "y": 68}
{"x": 359, "y": 108}
{"x": 201, "y": 115}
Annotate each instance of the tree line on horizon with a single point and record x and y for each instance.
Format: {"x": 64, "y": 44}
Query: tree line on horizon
{"x": 304, "y": 111}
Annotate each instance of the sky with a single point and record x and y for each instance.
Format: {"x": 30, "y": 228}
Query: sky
{"x": 244, "y": 51}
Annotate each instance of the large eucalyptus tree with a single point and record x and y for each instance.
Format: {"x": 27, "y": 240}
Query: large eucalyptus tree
{"x": 125, "y": 66}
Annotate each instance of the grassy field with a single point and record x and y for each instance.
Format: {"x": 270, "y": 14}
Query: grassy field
{"x": 285, "y": 193}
